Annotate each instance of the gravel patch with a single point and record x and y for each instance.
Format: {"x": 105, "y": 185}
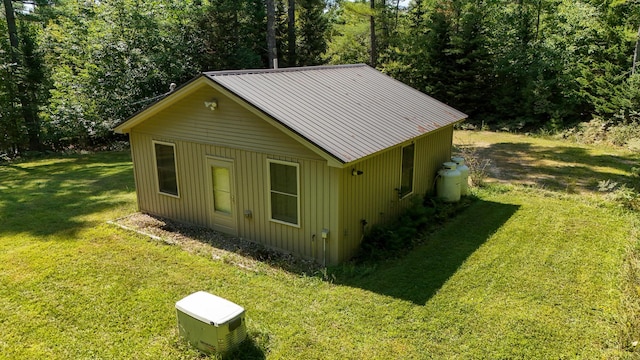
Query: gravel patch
{"x": 220, "y": 247}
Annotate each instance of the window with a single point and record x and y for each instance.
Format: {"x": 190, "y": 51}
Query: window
{"x": 406, "y": 183}
{"x": 284, "y": 191}
{"x": 166, "y": 168}
{"x": 221, "y": 190}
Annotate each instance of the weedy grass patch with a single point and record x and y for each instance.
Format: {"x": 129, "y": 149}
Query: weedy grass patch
{"x": 522, "y": 272}
{"x": 551, "y": 164}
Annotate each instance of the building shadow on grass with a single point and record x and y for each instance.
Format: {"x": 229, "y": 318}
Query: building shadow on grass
{"x": 419, "y": 275}
{"x": 52, "y": 196}
{"x": 416, "y": 277}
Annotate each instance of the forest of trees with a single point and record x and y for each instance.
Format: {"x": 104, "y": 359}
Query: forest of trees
{"x": 72, "y": 69}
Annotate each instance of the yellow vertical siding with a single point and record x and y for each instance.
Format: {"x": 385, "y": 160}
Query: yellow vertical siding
{"x": 330, "y": 198}
{"x": 318, "y": 182}
{"x": 431, "y": 152}
{"x": 373, "y": 196}
{"x": 230, "y": 125}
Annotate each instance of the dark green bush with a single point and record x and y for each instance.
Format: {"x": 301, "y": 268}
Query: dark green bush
{"x": 384, "y": 241}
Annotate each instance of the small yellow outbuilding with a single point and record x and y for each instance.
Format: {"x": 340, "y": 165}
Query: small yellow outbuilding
{"x": 303, "y": 160}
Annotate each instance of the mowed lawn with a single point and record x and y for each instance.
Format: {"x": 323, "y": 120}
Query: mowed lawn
{"x": 521, "y": 273}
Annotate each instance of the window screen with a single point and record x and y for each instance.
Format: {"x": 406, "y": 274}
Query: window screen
{"x": 283, "y": 180}
{"x": 406, "y": 185}
{"x": 221, "y": 190}
{"x": 166, "y": 166}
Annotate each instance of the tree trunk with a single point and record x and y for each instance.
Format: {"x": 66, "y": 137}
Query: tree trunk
{"x": 291, "y": 32}
{"x": 28, "y": 108}
{"x": 538, "y": 20}
{"x": 398, "y": 11}
{"x": 374, "y": 55}
{"x": 636, "y": 53}
{"x": 13, "y": 30}
{"x": 271, "y": 34}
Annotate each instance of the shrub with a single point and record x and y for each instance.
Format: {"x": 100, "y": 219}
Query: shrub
{"x": 626, "y": 197}
{"x": 478, "y": 166}
{"x": 390, "y": 240}
{"x": 608, "y": 132}
{"x": 622, "y": 195}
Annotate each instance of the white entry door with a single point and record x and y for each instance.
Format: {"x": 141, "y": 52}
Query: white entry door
{"x": 222, "y": 206}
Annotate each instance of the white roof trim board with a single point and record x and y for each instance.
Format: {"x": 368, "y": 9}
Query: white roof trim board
{"x": 349, "y": 111}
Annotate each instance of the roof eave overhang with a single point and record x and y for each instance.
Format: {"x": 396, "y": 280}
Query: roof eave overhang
{"x": 202, "y": 80}
{"x": 403, "y": 143}
{"x": 177, "y": 95}
{"x": 330, "y": 158}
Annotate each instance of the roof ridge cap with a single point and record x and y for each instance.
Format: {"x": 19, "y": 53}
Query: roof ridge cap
{"x": 279, "y": 70}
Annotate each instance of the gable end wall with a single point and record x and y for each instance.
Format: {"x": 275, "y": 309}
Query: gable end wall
{"x": 230, "y": 125}
{"x": 232, "y": 132}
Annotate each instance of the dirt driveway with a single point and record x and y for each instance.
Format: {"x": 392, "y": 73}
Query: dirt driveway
{"x": 551, "y": 164}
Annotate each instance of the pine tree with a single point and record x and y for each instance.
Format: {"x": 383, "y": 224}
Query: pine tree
{"x": 312, "y": 26}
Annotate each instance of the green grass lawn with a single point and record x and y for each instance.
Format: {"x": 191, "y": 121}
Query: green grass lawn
{"x": 522, "y": 273}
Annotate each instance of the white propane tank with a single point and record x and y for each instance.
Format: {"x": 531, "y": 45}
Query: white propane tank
{"x": 464, "y": 174}
{"x": 448, "y": 183}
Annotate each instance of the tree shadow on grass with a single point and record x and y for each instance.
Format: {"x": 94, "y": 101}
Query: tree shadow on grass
{"x": 560, "y": 168}
{"x": 50, "y": 196}
{"x": 419, "y": 275}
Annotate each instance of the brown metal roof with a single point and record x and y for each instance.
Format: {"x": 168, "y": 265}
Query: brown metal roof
{"x": 349, "y": 111}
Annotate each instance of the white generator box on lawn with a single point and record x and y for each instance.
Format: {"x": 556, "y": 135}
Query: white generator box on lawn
{"x": 210, "y": 323}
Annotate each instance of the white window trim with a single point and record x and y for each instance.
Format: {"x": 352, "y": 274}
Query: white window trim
{"x": 155, "y": 167}
{"x": 297, "y": 166}
{"x": 413, "y": 172}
